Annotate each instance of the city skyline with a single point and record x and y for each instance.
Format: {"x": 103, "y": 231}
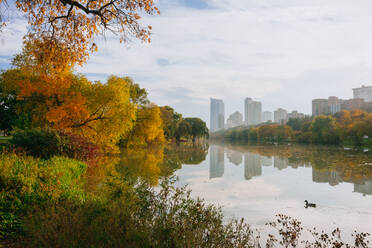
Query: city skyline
{"x": 255, "y": 114}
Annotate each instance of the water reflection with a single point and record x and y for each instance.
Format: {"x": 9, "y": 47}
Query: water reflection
{"x": 365, "y": 188}
{"x": 328, "y": 165}
{"x": 155, "y": 162}
{"x": 252, "y": 165}
{"x": 234, "y": 157}
{"x": 217, "y": 161}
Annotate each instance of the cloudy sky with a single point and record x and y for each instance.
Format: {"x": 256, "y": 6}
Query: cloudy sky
{"x": 281, "y": 52}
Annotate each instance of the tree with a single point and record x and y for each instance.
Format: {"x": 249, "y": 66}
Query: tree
{"x": 183, "y": 130}
{"x": 138, "y": 95}
{"x": 324, "y": 130}
{"x": 171, "y": 120}
{"x": 148, "y": 128}
{"x": 198, "y": 128}
{"x": 75, "y": 24}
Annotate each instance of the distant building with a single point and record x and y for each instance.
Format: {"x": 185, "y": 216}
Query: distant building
{"x": 364, "y": 92}
{"x": 267, "y": 116}
{"x": 217, "y": 115}
{"x": 333, "y": 104}
{"x": 295, "y": 115}
{"x": 234, "y": 120}
{"x": 280, "y": 115}
{"x": 252, "y": 111}
{"x": 320, "y": 107}
{"x": 356, "y": 103}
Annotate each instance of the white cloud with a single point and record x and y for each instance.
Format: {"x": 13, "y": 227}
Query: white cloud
{"x": 282, "y": 52}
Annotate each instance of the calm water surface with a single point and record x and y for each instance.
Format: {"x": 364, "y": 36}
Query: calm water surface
{"x": 258, "y": 182}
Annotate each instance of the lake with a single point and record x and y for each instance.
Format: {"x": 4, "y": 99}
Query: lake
{"x": 258, "y": 182}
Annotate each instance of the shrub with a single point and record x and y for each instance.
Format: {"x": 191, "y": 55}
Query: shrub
{"x": 37, "y": 142}
{"x": 77, "y": 147}
{"x": 26, "y": 182}
{"x": 48, "y": 143}
{"x": 137, "y": 216}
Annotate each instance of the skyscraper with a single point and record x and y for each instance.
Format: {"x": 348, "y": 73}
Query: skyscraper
{"x": 252, "y": 111}
{"x": 364, "y": 92}
{"x": 267, "y": 116}
{"x": 234, "y": 120}
{"x": 280, "y": 115}
{"x": 217, "y": 115}
{"x": 320, "y": 107}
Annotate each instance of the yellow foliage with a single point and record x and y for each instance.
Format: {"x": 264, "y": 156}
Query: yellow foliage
{"x": 75, "y": 24}
{"x": 148, "y": 129}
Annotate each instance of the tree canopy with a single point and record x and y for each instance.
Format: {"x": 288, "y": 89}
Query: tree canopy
{"x": 73, "y": 25}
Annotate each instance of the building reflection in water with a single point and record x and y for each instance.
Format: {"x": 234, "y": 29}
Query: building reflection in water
{"x": 217, "y": 162}
{"x": 234, "y": 157}
{"x": 280, "y": 163}
{"x": 365, "y": 188}
{"x": 267, "y": 161}
{"x": 326, "y": 176}
{"x": 252, "y": 165}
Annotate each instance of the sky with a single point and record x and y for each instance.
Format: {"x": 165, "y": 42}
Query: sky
{"x": 283, "y": 53}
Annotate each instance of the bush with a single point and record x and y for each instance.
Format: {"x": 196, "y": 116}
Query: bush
{"x": 37, "y": 142}
{"x": 26, "y": 182}
{"x": 77, "y": 147}
{"x": 136, "y": 216}
{"x": 48, "y": 143}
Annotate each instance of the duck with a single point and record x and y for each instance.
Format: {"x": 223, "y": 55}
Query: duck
{"x": 307, "y": 204}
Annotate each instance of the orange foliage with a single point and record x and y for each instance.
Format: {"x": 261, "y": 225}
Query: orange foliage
{"x": 75, "y": 23}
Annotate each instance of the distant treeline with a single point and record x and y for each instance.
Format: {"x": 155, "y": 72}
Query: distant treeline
{"x": 346, "y": 127}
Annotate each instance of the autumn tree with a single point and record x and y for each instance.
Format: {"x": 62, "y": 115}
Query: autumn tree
{"x": 148, "y": 128}
{"x": 74, "y": 24}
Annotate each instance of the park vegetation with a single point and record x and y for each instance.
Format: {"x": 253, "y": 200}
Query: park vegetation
{"x": 344, "y": 128}
{"x": 58, "y": 185}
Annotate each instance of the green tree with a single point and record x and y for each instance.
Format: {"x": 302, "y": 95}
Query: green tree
{"x": 324, "y": 130}
{"x": 171, "y": 120}
{"x": 183, "y": 130}
{"x": 198, "y": 128}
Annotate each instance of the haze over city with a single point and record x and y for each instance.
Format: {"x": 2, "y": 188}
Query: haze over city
{"x": 282, "y": 53}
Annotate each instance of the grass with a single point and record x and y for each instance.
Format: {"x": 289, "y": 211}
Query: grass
{"x": 5, "y": 139}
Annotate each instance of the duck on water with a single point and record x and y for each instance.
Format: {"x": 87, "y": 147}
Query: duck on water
{"x": 307, "y": 204}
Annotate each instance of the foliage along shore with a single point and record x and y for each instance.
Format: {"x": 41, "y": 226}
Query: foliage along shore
{"x": 352, "y": 128}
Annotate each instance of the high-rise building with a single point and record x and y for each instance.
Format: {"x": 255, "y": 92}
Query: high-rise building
{"x": 217, "y": 115}
{"x": 280, "y": 115}
{"x": 320, "y": 107}
{"x": 267, "y": 116}
{"x": 295, "y": 115}
{"x": 234, "y": 120}
{"x": 356, "y": 103}
{"x": 364, "y": 92}
{"x": 333, "y": 104}
{"x": 252, "y": 111}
